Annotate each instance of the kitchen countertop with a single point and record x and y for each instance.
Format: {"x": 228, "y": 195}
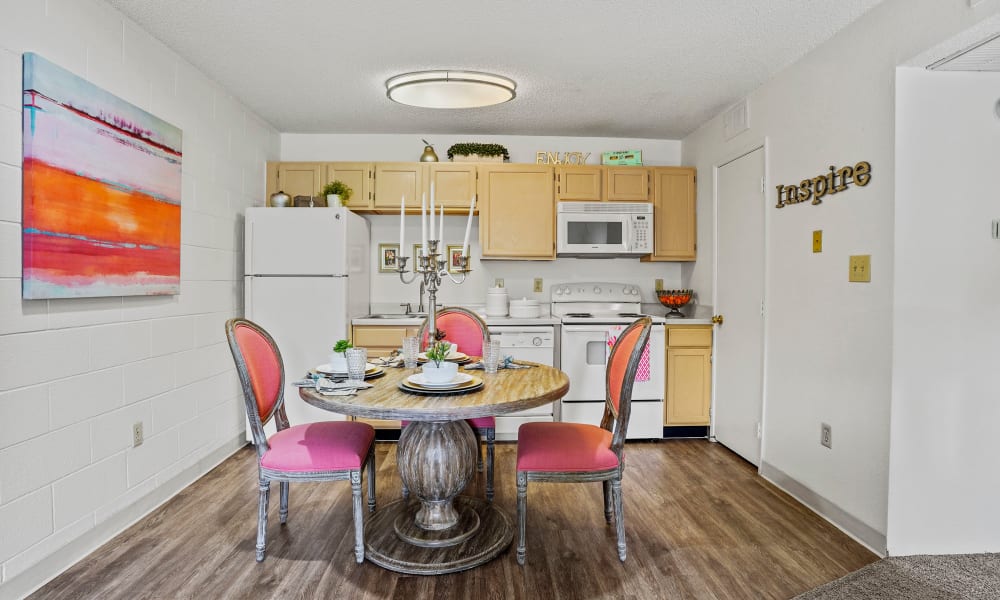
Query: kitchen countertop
{"x": 700, "y": 315}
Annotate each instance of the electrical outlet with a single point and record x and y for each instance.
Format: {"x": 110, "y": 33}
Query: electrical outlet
{"x": 659, "y": 285}
{"x": 860, "y": 268}
{"x": 498, "y": 283}
{"x": 826, "y": 435}
{"x": 818, "y": 240}
{"x": 538, "y": 284}
{"x": 137, "y": 434}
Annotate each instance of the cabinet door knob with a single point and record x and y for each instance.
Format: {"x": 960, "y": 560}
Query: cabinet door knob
{"x": 718, "y": 319}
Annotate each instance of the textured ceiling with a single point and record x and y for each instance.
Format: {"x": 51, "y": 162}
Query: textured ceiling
{"x": 639, "y": 68}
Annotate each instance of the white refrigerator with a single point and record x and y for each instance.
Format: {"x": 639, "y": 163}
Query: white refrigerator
{"x": 306, "y": 275}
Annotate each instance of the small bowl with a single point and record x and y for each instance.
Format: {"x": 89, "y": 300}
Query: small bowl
{"x": 674, "y": 299}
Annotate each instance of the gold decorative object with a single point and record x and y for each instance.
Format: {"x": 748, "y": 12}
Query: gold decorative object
{"x": 821, "y": 185}
{"x": 429, "y": 155}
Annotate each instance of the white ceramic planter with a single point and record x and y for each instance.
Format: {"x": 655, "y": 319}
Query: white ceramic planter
{"x": 443, "y": 374}
{"x": 332, "y": 200}
{"x": 338, "y": 362}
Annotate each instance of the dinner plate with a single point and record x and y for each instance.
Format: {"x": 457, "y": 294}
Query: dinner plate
{"x": 326, "y": 369}
{"x": 419, "y": 380}
{"x": 475, "y": 383}
{"x": 455, "y": 356}
{"x": 459, "y": 361}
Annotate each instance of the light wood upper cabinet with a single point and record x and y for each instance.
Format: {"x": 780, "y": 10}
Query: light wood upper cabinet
{"x": 454, "y": 185}
{"x": 674, "y": 214}
{"x": 689, "y": 375}
{"x": 626, "y": 184}
{"x": 579, "y": 183}
{"x": 357, "y": 176}
{"x": 517, "y": 211}
{"x": 294, "y": 178}
{"x": 395, "y": 180}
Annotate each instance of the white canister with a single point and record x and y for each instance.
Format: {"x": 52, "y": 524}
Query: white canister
{"x": 496, "y": 302}
{"x": 525, "y": 309}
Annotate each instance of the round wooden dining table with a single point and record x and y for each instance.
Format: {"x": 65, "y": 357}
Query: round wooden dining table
{"x": 437, "y": 530}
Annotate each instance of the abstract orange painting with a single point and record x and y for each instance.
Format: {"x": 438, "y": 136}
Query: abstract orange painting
{"x": 101, "y": 213}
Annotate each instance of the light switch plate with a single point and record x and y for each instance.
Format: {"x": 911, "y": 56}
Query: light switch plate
{"x": 818, "y": 240}
{"x": 538, "y": 284}
{"x": 860, "y": 268}
{"x": 498, "y": 282}
{"x": 659, "y": 285}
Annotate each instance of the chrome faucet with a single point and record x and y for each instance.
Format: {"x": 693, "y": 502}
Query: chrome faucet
{"x": 420, "y": 307}
{"x": 406, "y": 307}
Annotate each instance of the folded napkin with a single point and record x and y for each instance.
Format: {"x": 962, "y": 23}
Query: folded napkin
{"x": 339, "y": 388}
{"x": 506, "y": 363}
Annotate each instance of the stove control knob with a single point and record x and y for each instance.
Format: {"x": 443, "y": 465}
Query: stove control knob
{"x": 536, "y": 341}
{"x": 633, "y": 291}
{"x": 580, "y": 290}
{"x": 558, "y": 291}
{"x": 626, "y": 290}
{"x": 597, "y": 289}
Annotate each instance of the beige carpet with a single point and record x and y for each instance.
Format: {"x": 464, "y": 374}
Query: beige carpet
{"x": 921, "y": 577}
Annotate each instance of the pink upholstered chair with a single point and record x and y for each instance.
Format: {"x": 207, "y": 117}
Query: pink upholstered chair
{"x": 325, "y": 451}
{"x": 469, "y": 331}
{"x": 574, "y": 452}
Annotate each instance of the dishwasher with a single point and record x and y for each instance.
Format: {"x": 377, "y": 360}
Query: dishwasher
{"x": 535, "y": 343}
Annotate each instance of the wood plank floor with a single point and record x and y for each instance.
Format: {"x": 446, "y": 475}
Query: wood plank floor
{"x": 699, "y": 522}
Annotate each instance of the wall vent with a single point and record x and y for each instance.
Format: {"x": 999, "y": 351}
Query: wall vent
{"x": 736, "y": 120}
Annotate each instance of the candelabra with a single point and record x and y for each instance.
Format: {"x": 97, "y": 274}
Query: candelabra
{"x": 432, "y": 269}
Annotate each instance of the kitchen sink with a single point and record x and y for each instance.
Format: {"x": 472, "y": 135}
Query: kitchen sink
{"x": 396, "y": 316}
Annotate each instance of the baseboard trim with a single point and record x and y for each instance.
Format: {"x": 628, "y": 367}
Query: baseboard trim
{"x": 849, "y": 524}
{"x": 53, "y": 565}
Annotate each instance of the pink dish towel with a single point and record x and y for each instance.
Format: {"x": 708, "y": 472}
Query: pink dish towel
{"x": 642, "y": 373}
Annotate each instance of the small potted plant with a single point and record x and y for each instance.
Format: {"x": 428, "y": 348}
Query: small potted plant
{"x": 473, "y": 152}
{"x": 437, "y": 369}
{"x": 337, "y": 193}
{"x": 338, "y": 361}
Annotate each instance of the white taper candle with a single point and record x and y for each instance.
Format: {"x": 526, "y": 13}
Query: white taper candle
{"x": 423, "y": 225}
{"x": 432, "y": 213}
{"x": 402, "y": 230}
{"x": 468, "y": 228}
{"x": 441, "y": 228}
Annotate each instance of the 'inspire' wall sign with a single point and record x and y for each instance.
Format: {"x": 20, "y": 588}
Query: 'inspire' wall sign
{"x": 821, "y": 185}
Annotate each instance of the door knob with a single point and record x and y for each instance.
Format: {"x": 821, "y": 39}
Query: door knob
{"x": 718, "y": 319}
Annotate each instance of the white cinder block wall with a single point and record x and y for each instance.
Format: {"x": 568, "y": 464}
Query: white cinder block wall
{"x": 76, "y": 374}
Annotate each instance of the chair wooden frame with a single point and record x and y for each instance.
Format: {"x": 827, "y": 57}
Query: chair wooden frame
{"x": 615, "y": 421}
{"x": 489, "y": 433}
{"x": 266, "y": 475}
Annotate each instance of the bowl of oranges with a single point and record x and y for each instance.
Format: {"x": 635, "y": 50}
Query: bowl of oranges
{"x": 674, "y": 299}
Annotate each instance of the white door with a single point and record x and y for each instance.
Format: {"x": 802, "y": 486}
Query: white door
{"x": 739, "y": 296}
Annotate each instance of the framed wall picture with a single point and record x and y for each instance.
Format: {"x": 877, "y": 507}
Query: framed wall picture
{"x": 416, "y": 253}
{"x": 454, "y": 252}
{"x": 387, "y": 254}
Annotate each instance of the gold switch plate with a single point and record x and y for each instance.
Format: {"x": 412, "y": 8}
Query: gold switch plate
{"x": 498, "y": 282}
{"x": 659, "y": 284}
{"x": 860, "y": 268}
{"x": 538, "y": 284}
{"x": 818, "y": 240}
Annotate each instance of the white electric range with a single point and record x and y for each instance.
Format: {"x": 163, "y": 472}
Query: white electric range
{"x": 589, "y": 313}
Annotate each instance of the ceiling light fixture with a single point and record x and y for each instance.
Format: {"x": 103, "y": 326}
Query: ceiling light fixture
{"x": 450, "y": 89}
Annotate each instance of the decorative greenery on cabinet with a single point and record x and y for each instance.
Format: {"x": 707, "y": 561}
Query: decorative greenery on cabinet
{"x": 469, "y": 148}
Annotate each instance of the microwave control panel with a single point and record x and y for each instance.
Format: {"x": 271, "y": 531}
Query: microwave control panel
{"x": 642, "y": 233}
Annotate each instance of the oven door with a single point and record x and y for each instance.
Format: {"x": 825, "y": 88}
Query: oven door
{"x": 584, "y": 360}
{"x": 584, "y": 233}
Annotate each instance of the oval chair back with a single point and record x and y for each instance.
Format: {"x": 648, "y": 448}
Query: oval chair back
{"x": 262, "y": 375}
{"x": 462, "y": 327}
{"x": 620, "y": 378}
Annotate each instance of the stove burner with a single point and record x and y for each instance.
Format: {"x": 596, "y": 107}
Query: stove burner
{"x": 587, "y": 315}
{"x": 635, "y": 315}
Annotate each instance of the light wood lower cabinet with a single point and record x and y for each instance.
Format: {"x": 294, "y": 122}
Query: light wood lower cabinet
{"x": 380, "y": 340}
{"x": 689, "y": 375}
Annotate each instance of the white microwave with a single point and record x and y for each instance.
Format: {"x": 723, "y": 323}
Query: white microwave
{"x": 604, "y": 228}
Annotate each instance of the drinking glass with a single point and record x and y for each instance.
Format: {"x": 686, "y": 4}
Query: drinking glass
{"x": 411, "y": 347}
{"x": 491, "y": 356}
{"x": 357, "y": 363}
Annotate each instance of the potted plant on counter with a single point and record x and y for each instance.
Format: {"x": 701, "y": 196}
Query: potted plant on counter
{"x": 473, "y": 152}
{"x": 337, "y": 193}
{"x": 338, "y": 360}
{"x": 437, "y": 369}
